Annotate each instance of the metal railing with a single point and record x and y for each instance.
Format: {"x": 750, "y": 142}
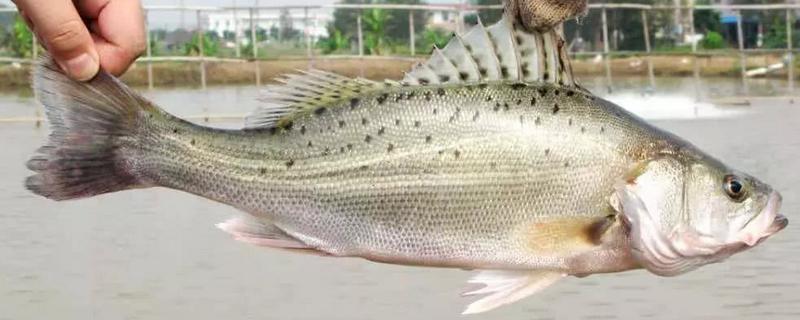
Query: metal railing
{"x": 645, "y": 11}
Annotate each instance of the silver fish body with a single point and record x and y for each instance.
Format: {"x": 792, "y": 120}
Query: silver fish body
{"x": 527, "y": 180}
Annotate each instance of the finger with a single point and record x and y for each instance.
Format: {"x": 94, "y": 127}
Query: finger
{"x": 119, "y": 25}
{"x": 64, "y": 34}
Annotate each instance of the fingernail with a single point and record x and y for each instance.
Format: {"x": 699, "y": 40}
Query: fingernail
{"x": 82, "y": 67}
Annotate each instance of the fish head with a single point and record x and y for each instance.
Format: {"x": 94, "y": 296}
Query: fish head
{"x": 685, "y": 212}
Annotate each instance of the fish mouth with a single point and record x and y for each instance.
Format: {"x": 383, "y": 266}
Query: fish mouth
{"x": 767, "y": 223}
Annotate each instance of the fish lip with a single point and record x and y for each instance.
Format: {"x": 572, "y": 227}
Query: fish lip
{"x": 766, "y": 223}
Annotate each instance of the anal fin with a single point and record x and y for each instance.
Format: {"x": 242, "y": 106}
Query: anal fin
{"x": 501, "y": 287}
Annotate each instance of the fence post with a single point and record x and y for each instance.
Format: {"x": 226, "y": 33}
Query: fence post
{"x": 149, "y": 50}
{"x": 360, "y": 36}
{"x": 789, "y": 47}
{"x": 34, "y": 48}
{"x": 606, "y": 57}
{"x": 201, "y": 50}
{"x": 237, "y": 38}
{"x": 411, "y": 32}
{"x": 254, "y": 42}
{"x": 742, "y": 57}
{"x": 306, "y": 33}
{"x": 646, "y": 29}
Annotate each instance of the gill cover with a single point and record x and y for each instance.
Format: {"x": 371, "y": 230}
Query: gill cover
{"x": 653, "y": 204}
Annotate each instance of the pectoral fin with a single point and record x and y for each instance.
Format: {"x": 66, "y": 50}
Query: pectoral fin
{"x": 501, "y": 287}
{"x": 252, "y": 230}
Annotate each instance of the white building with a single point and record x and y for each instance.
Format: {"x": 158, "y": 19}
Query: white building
{"x": 314, "y": 24}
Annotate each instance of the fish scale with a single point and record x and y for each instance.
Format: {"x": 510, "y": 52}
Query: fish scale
{"x": 434, "y": 200}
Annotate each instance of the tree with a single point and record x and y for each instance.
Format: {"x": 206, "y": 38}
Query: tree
{"x": 397, "y": 27}
{"x": 192, "y": 48}
{"x": 375, "y": 29}
{"x": 287, "y": 30}
{"x": 21, "y": 39}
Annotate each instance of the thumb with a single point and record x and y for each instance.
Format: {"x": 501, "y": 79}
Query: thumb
{"x": 62, "y": 31}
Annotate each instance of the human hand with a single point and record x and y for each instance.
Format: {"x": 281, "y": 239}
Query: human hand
{"x": 84, "y": 35}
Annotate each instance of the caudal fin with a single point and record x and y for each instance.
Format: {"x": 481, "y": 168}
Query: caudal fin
{"x": 90, "y": 123}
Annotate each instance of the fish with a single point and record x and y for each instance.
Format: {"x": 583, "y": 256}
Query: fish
{"x": 489, "y": 156}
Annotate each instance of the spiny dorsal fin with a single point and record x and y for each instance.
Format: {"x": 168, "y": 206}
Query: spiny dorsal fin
{"x": 502, "y": 51}
{"x": 305, "y": 92}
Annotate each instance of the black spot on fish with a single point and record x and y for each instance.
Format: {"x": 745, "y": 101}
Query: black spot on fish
{"x": 417, "y": 124}
{"x": 288, "y": 125}
{"x": 505, "y": 106}
{"x": 289, "y": 163}
{"x": 424, "y": 81}
{"x": 444, "y": 78}
{"x": 521, "y": 119}
{"x": 489, "y": 98}
{"x": 390, "y": 148}
{"x": 538, "y": 121}
{"x": 349, "y": 146}
{"x": 341, "y": 149}
{"x": 397, "y": 122}
{"x": 440, "y": 92}
{"x": 542, "y": 92}
{"x": 504, "y": 71}
{"x": 547, "y": 152}
{"x": 482, "y": 71}
{"x": 518, "y": 85}
{"x": 364, "y": 167}
{"x": 566, "y": 164}
{"x": 341, "y": 123}
{"x": 336, "y": 96}
{"x": 310, "y": 144}
{"x": 476, "y": 115}
{"x": 570, "y": 121}
{"x": 175, "y": 130}
{"x": 463, "y": 76}
{"x": 570, "y": 93}
{"x": 427, "y": 96}
{"x": 533, "y": 101}
{"x": 192, "y": 142}
{"x": 399, "y": 97}
{"x": 457, "y": 154}
{"x": 428, "y": 139}
{"x": 519, "y": 101}
{"x": 493, "y": 165}
{"x": 555, "y": 108}
{"x": 435, "y": 111}
{"x": 381, "y": 131}
{"x": 556, "y": 92}
{"x": 411, "y": 95}
{"x": 583, "y": 129}
{"x": 364, "y": 121}
{"x": 302, "y": 129}
{"x": 354, "y": 103}
{"x": 518, "y": 38}
{"x": 368, "y": 139}
{"x": 525, "y": 72}
{"x": 320, "y": 110}
{"x": 382, "y": 98}
{"x": 326, "y": 152}
{"x": 602, "y": 129}
{"x": 496, "y": 106}
{"x": 546, "y": 76}
{"x": 262, "y": 171}
{"x": 483, "y": 85}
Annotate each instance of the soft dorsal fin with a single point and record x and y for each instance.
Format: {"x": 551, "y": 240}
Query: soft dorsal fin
{"x": 501, "y": 51}
{"x": 304, "y": 92}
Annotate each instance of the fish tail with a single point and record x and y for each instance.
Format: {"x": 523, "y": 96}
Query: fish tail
{"x": 91, "y": 122}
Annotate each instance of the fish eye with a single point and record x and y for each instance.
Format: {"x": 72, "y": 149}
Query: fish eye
{"x": 734, "y": 187}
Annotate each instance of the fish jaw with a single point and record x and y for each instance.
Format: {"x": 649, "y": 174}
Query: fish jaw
{"x": 767, "y": 223}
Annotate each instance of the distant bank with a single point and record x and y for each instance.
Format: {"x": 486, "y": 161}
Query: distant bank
{"x": 183, "y": 74}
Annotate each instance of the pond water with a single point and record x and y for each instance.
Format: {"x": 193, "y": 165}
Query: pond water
{"x": 155, "y": 253}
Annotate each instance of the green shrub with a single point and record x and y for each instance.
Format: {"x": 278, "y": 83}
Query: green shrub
{"x": 713, "y": 40}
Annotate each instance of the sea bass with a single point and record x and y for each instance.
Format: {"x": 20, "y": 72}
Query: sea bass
{"x": 487, "y": 157}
